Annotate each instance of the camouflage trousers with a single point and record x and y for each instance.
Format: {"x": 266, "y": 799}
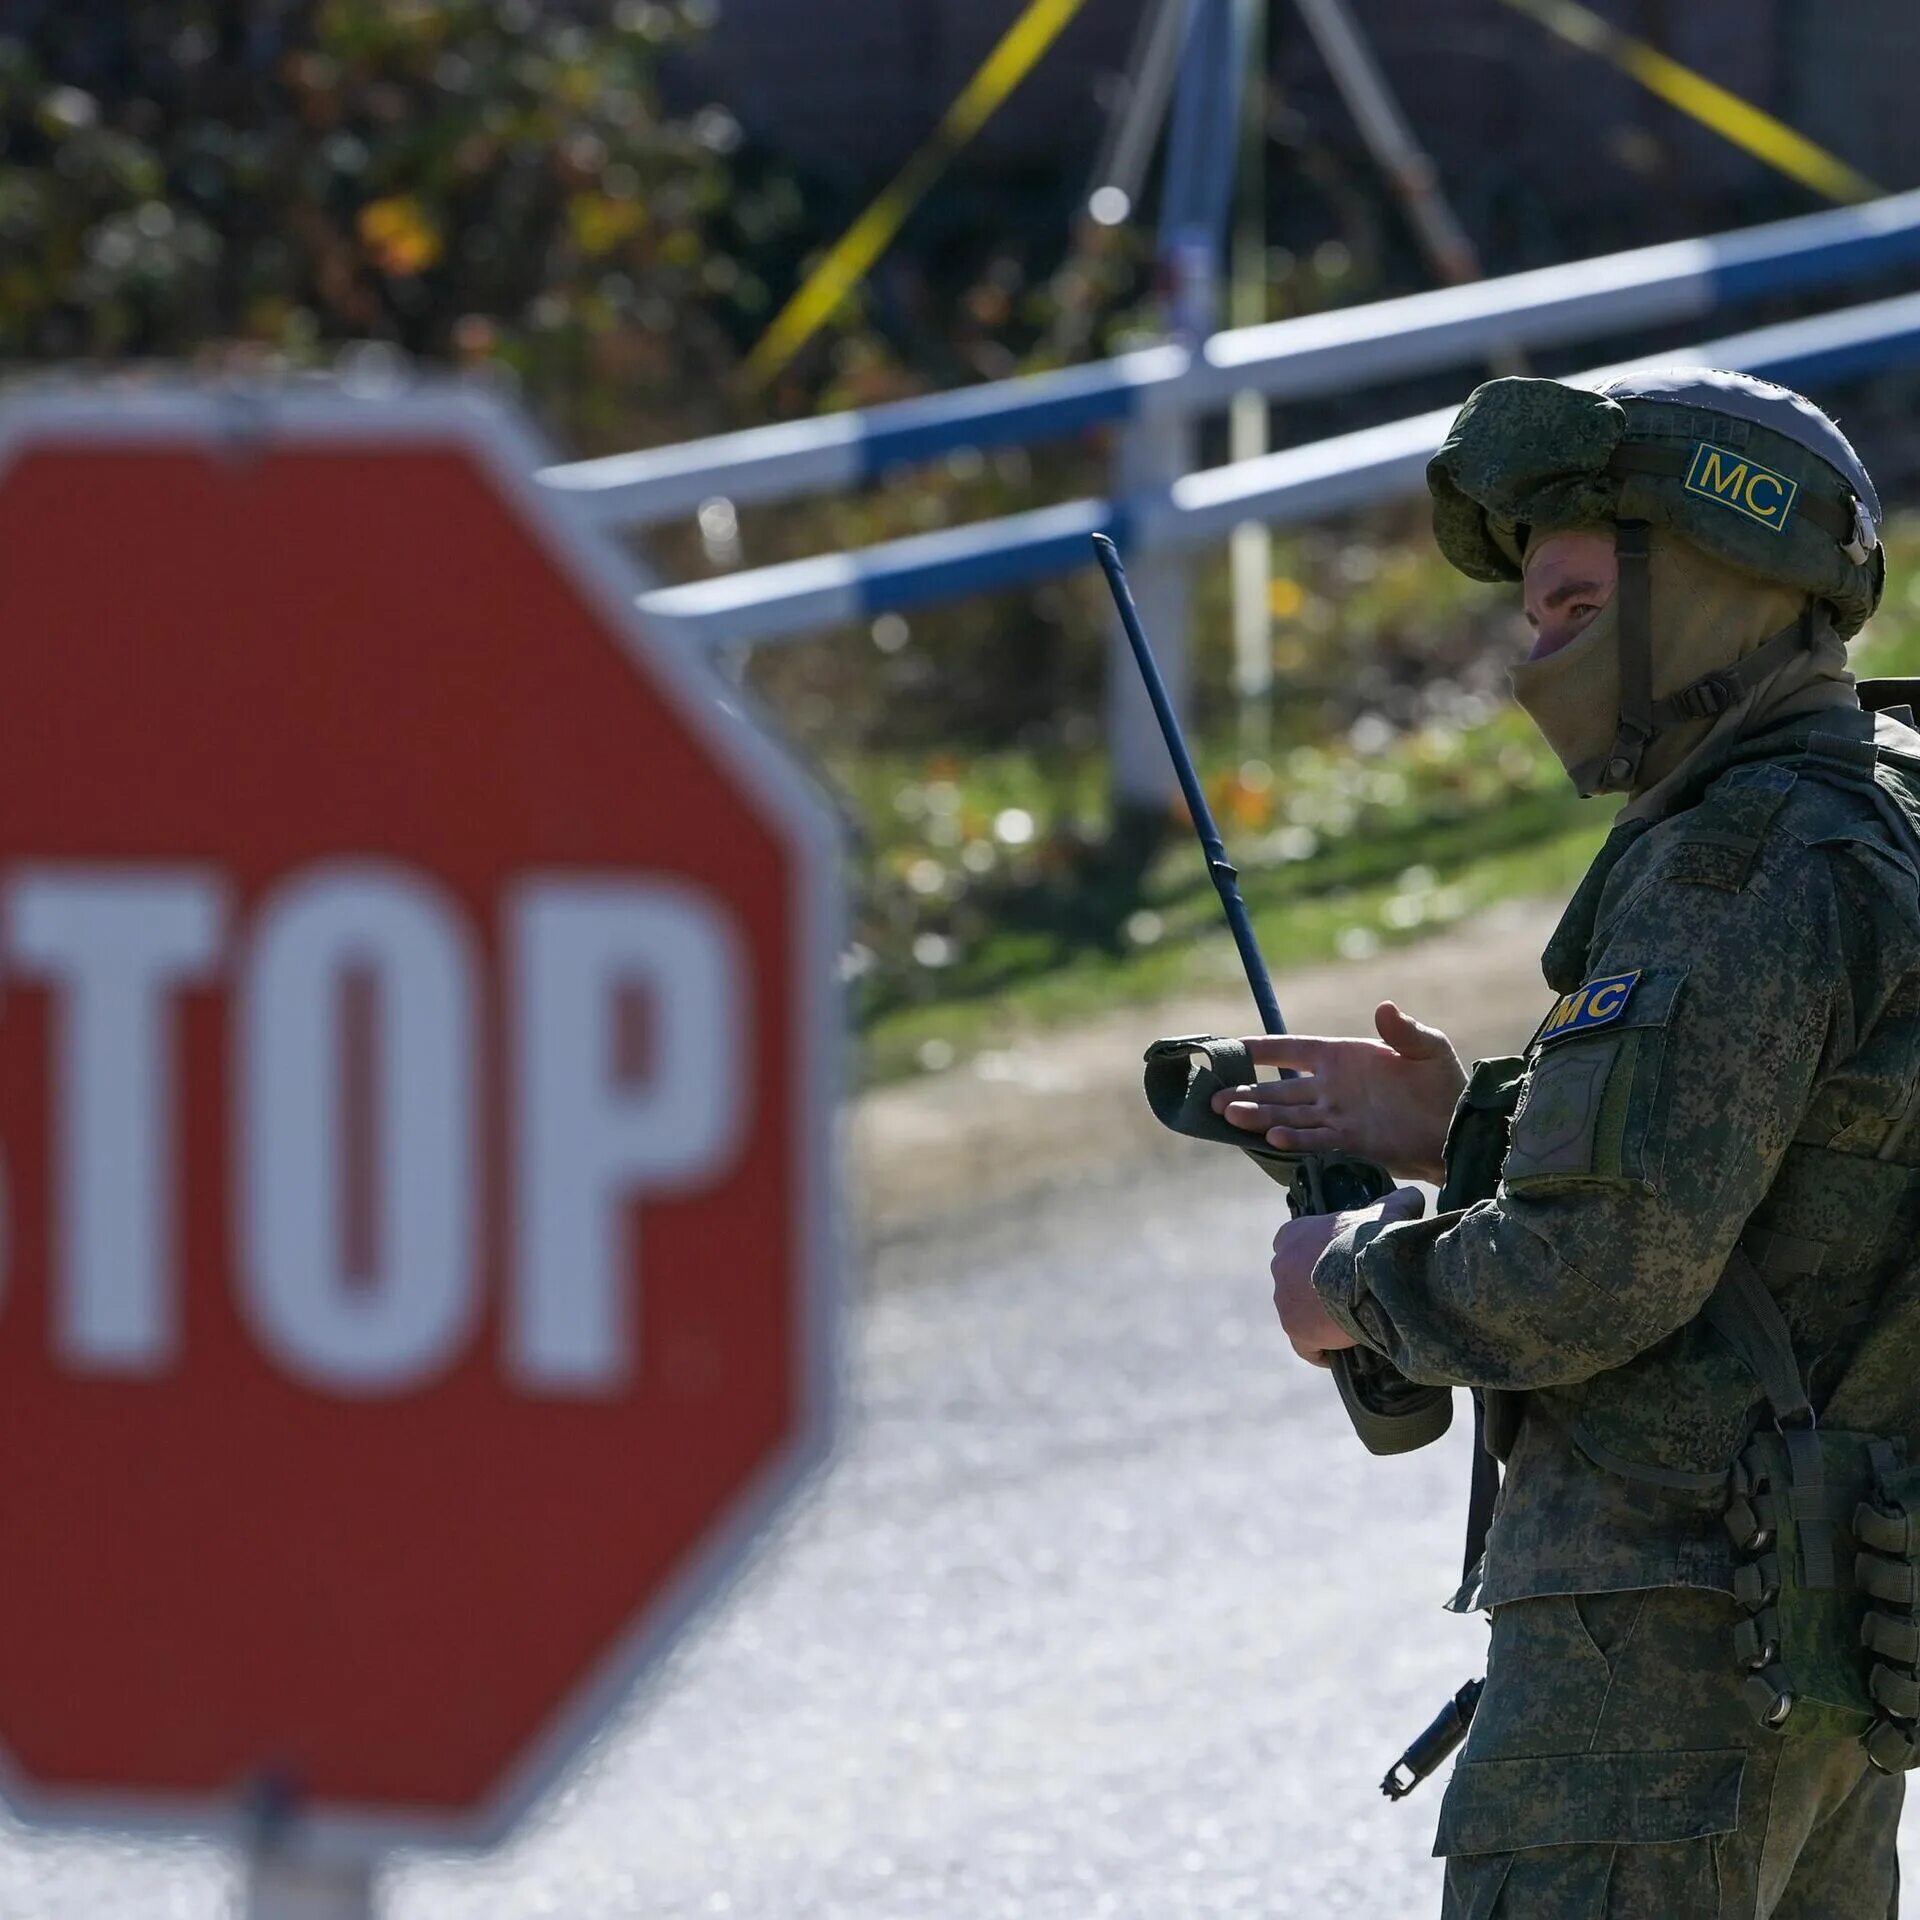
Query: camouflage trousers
{"x": 1614, "y": 1773}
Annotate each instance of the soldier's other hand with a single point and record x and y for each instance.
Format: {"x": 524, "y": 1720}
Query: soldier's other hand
{"x": 1387, "y": 1100}
{"x": 1297, "y": 1248}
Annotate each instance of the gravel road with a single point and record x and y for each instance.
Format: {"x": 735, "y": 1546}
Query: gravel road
{"x": 1102, "y": 1612}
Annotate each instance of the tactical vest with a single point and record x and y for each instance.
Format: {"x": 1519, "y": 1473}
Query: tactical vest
{"x": 1819, "y": 1307}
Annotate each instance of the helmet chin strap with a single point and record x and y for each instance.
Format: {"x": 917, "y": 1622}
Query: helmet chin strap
{"x": 1635, "y": 730}
{"x": 1641, "y": 715}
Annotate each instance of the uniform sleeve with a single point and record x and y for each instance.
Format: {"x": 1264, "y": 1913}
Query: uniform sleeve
{"x": 1654, "y": 1115}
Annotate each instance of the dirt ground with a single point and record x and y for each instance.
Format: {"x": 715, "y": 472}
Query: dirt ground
{"x": 999, "y": 1127}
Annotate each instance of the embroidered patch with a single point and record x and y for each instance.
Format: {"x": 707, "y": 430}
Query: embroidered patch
{"x": 1746, "y": 486}
{"x": 1598, "y": 1004}
{"x": 1553, "y": 1131}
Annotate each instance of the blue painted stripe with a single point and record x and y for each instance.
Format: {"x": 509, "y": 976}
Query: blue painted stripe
{"x": 1838, "y": 347}
{"x": 1830, "y": 246}
{"x": 1023, "y": 548}
{"x": 803, "y": 596}
{"x": 1012, "y": 413}
{"x": 1848, "y": 362}
{"x": 801, "y": 457}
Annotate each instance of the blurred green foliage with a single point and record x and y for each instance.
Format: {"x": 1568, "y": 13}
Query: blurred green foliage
{"x": 499, "y": 185}
{"x": 481, "y": 182}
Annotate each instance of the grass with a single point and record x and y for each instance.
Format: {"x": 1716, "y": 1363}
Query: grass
{"x": 998, "y": 896}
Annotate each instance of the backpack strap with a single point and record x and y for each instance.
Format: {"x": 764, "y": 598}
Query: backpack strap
{"x": 1899, "y": 699}
{"x": 1743, "y": 1312}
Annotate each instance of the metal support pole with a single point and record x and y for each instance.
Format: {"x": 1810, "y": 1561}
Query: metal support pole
{"x": 1135, "y": 128}
{"x": 281, "y": 1886}
{"x": 1409, "y": 171}
{"x": 1251, "y": 550}
{"x": 1154, "y": 453}
{"x": 1201, "y": 148}
{"x": 1390, "y": 139}
{"x": 1157, "y": 451}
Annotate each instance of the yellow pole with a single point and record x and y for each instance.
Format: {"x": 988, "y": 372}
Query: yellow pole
{"x": 853, "y": 255}
{"x": 1733, "y": 118}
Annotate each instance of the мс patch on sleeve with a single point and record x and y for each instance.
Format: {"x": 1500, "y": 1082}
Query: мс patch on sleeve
{"x": 1590, "y": 1110}
{"x": 1600, "y": 1003}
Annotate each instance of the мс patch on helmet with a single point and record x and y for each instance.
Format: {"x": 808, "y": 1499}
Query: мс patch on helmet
{"x": 1752, "y": 473}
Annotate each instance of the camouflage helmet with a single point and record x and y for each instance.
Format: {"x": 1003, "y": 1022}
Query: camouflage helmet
{"x": 1752, "y": 473}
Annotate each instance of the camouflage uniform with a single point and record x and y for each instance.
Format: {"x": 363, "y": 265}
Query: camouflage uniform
{"x": 1747, "y": 1082}
{"x": 1734, "y": 1064}
{"x": 1614, "y": 1770}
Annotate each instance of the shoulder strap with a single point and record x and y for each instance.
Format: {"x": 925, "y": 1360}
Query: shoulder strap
{"x": 1863, "y": 767}
{"x": 1900, "y": 698}
{"x": 1741, "y": 1309}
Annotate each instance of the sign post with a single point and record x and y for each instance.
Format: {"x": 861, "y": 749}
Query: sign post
{"x": 417, "y": 1033}
{"x": 280, "y": 1889}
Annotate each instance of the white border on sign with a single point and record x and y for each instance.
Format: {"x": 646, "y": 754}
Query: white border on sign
{"x": 444, "y": 411}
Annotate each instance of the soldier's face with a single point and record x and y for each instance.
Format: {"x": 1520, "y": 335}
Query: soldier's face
{"x": 1569, "y": 577}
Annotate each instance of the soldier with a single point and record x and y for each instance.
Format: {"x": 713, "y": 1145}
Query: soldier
{"x": 1675, "y": 1250}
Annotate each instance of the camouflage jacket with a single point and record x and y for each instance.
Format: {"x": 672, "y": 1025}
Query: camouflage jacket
{"x": 1734, "y": 1058}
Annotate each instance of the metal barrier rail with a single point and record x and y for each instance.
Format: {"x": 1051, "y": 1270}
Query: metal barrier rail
{"x": 1317, "y": 353}
{"x": 1301, "y": 483}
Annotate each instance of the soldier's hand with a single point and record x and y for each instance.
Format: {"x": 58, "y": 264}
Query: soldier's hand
{"x": 1297, "y": 1248}
{"x": 1387, "y": 1100}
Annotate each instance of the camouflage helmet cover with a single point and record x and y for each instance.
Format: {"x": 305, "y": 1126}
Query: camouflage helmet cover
{"x": 1751, "y": 472}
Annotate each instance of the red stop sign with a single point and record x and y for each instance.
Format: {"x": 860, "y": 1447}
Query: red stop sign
{"x": 416, "y": 1028}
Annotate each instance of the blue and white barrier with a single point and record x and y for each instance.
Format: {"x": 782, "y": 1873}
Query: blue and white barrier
{"x": 802, "y": 596}
{"x": 1356, "y": 469}
{"x": 1288, "y": 359}
{"x": 841, "y": 451}
{"x": 1301, "y": 483}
